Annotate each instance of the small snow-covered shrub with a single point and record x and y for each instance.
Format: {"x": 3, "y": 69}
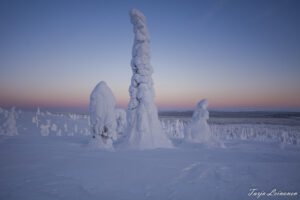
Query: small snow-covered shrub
{"x": 53, "y": 127}
{"x": 10, "y": 124}
{"x": 66, "y": 127}
{"x": 58, "y": 133}
{"x": 45, "y": 128}
{"x": 174, "y": 128}
{"x": 120, "y": 116}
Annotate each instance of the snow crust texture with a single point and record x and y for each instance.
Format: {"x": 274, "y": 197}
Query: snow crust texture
{"x": 144, "y": 128}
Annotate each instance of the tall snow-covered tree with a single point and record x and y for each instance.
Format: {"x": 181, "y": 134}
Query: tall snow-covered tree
{"x": 144, "y": 127}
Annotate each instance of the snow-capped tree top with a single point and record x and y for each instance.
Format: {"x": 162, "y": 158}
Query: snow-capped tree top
{"x": 103, "y": 90}
{"x": 139, "y": 26}
{"x": 201, "y": 112}
{"x": 136, "y": 16}
{"x": 203, "y": 104}
{"x": 102, "y": 101}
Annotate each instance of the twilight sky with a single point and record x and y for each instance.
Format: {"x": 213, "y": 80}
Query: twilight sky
{"x": 237, "y": 54}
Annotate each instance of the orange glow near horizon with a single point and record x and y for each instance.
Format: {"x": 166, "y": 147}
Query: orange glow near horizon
{"x": 173, "y": 104}
{"x": 169, "y": 100}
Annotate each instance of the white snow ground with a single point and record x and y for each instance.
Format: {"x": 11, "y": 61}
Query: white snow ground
{"x": 63, "y": 166}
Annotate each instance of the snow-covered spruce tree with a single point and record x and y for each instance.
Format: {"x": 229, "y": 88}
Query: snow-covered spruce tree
{"x": 102, "y": 116}
{"x": 35, "y": 119}
{"x": 120, "y": 116}
{"x": 144, "y": 128}
{"x": 10, "y": 125}
{"x": 198, "y": 130}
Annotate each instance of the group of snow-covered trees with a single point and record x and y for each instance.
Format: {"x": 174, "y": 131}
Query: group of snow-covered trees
{"x": 140, "y": 124}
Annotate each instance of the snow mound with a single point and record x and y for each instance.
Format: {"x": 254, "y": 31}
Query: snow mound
{"x": 144, "y": 128}
{"x": 102, "y": 116}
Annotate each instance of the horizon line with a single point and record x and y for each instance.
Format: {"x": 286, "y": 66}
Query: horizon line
{"x": 161, "y": 109}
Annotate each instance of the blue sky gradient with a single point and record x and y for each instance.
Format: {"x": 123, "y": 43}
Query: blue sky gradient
{"x": 237, "y": 54}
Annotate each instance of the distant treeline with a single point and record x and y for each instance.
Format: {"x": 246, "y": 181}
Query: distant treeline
{"x": 234, "y": 114}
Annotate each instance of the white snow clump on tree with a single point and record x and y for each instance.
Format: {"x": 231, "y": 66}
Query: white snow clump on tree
{"x": 198, "y": 130}
{"x": 102, "y": 117}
